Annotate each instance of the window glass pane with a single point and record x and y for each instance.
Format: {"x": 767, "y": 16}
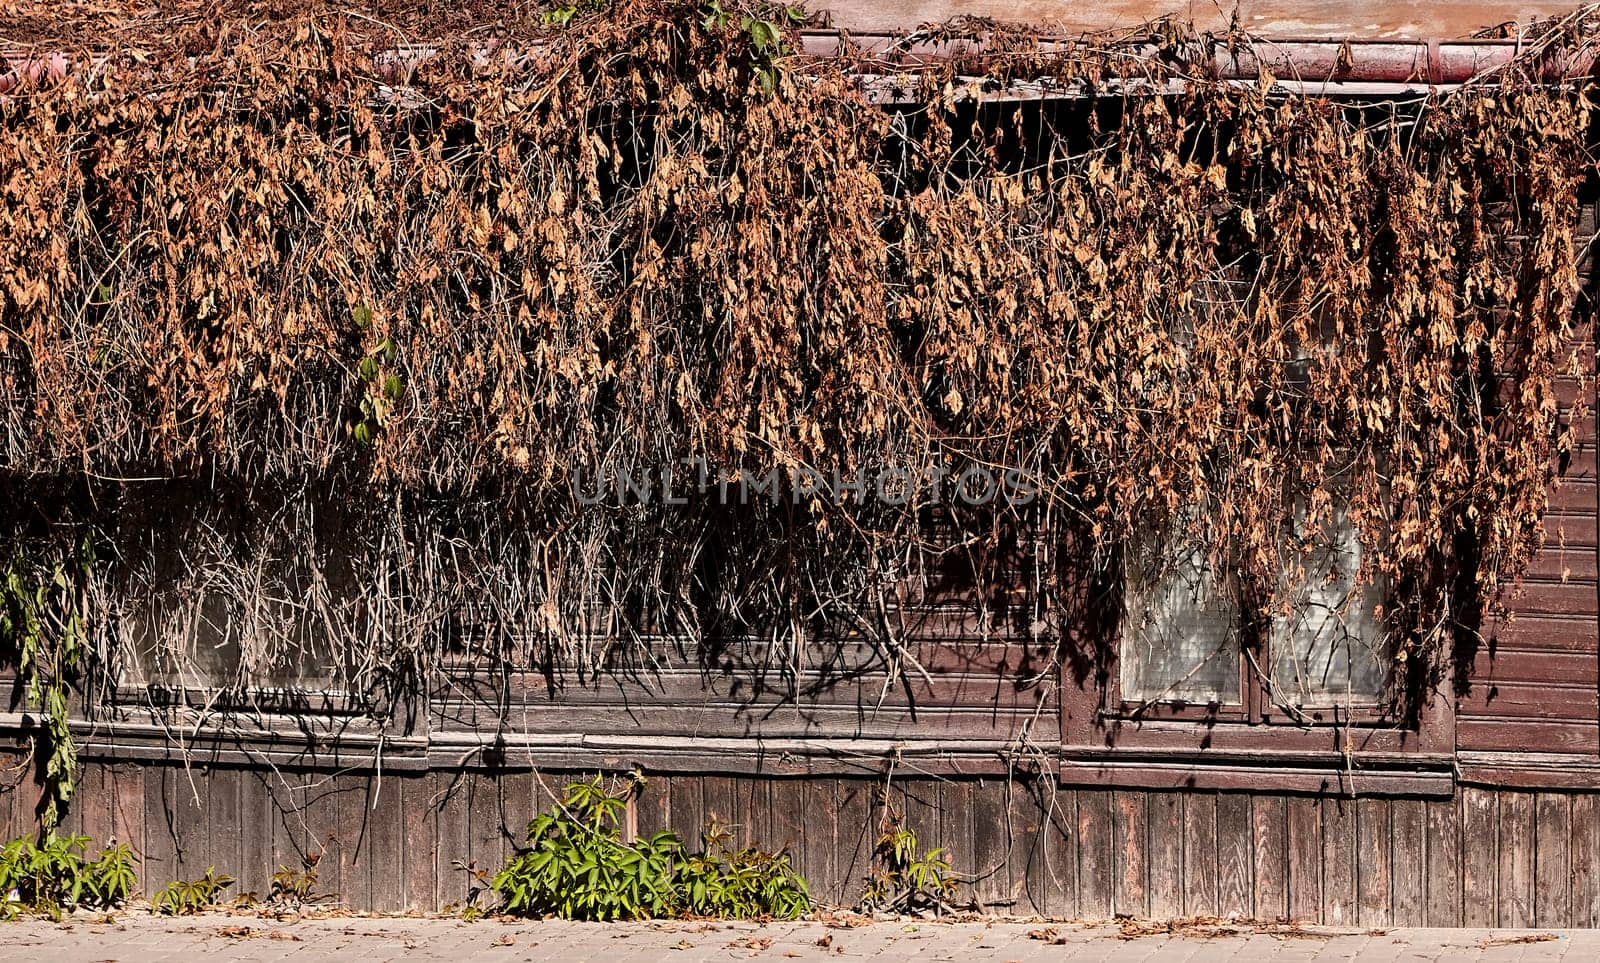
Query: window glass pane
{"x": 1180, "y": 637}
{"x": 1329, "y": 649}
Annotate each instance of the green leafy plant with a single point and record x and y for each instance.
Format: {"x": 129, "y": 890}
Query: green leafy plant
{"x": 740, "y": 883}
{"x": 577, "y": 866}
{"x": 764, "y": 26}
{"x": 42, "y": 630}
{"x": 186, "y": 897}
{"x": 904, "y": 877}
{"x": 53, "y": 877}
{"x": 297, "y": 887}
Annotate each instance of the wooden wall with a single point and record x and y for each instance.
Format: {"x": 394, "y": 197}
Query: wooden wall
{"x": 1482, "y": 858}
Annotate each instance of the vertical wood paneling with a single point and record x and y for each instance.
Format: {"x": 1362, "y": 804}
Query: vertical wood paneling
{"x": 1374, "y": 864}
{"x": 1517, "y": 843}
{"x": 1200, "y": 854}
{"x": 1407, "y": 853}
{"x": 1132, "y": 896}
{"x": 1096, "y": 870}
{"x": 1235, "y": 855}
{"x": 1552, "y": 863}
{"x": 1485, "y": 857}
{"x": 1304, "y": 822}
{"x": 1479, "y": 856}
{"x": 1444, "y": 863}
{"x": 1585, "y": 853}
{"x": 1165, "y": 854}
{"x": 1270, "y": 897}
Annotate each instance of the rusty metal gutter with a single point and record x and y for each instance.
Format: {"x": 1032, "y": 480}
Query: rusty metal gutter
{"x": 888, "y": 62}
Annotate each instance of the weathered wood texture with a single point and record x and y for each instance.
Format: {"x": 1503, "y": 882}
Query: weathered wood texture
{"x": 397, "y": 842}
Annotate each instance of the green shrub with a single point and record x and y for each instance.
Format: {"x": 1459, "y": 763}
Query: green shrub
{"x": 576, "y": 866}
{"x": 903, "y": 877}
{"x": 54, "y": 877}
{"x": 184, "y": 897}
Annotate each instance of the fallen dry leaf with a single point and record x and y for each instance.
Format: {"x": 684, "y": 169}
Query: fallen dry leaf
{"x": 1518, "y": 939}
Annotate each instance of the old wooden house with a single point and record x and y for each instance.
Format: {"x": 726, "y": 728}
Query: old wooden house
{"x": 1213, "y": 760}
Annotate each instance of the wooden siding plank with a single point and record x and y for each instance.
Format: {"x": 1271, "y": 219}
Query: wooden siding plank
{"x": 1338, "y": 861}
{"x": 1516, "y": 836}
{"x": 1270, "y": 858}
{"x": 1480, "y": 838}
{"x": 1096, "y": 871}
{"x": 1235, "y": 855}
{"x": 722, "y": 803}
{"x": 1132, "y": 896}
{"x": 1200, "y": 854}
{"x": 258, "y": 824}
{"x": 324, "y": 796}
{"x": 818, "y": 832}
{"x": 860, "y": 824}
{"x": 1408, "y": 853}
{"x": 126, "y": 786}
{"x": 1374, "y": 863}
{"x": 1304, "y": 821}
{"x": 1165, "y": 855}
{"x": 1061, "y": 852}
{"x": 92, "y": 801}
{"x": 161, "y": 844}
{"x": 980, "y": 814}
{"x": 191, "y": 785}
{"x": 1444, "y": 863}
{"x": 1552, "y": 861}
{"x": 451, "y": 791}
{"x": 788, "y": 799}
{"x": 383, "y": 845}
{"x": 224, "y": 837}
{"x": 687, "y": 800}
{"x": 1585, "y": 853}
{"x": 1025, "y": 858}
{"x": 419, "y": 817}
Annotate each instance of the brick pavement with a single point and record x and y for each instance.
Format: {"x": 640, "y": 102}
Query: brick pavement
{"x": 136, "y": 937}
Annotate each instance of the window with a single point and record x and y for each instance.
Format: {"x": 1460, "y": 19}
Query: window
{"x": 1190, "y": 638}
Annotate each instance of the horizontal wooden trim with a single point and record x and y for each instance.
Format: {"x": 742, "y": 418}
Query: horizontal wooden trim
{"x": 1236, "y": 737}
{"x": 1530, "y": 770}
{"x": 1263, "y": 776}
{"x": 113, "y": 742}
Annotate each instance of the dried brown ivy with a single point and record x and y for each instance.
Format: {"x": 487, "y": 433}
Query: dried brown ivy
{"x": 324, "y": 344}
